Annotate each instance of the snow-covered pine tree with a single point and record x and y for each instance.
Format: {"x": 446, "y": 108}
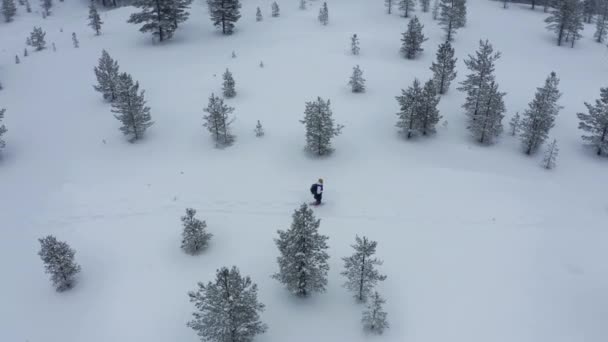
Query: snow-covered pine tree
{"x": 107, "y": 76}
{"x": 28, "y": 7}
{"x": 36, "y": 39}
{"x": 178, "y": 11}
{"x": 374, "y": 317}
{"x": 435, "y": 11}
{"x": 448, "y": 17}
{"x": 409, "y": 115}
{"x": 575, "y": 26}
{"x": 563, "y": 17}
{"x": 229, "y": 84}
{"x": 224, "y": 14}
{"x": 25, "y": 53}
{"x": 589, "y": 9}
{"x": 261, "y": 64}
{"x": 354, "y": 44}
{"x": 46, "y": 6}
{"x": 303, "y": 255}
{"x": 461, "y": 13}
{"x": 9, "y": 9}
{"x": 407, "y": 7}
{"x": 194, "y": 236}
{"x": 486, "y": 125}
{"x": 412, "y": 39}
{"x": 444, "y": 69}
{"x": 2, "y": 128}
{"x": 324, "y": 14}
{"x": 58, "y": 259}
{"x": 514, "y": 124}
{"x": 389, "y": 6}
{"x": 360, "y": 269}
{"x": 227, "y": 310}
{"x": 258, "y": 15}
{"x": 320, "y": 127}
{"x": 94, "y": 19}
{"x": 131, "y": 108}
{"x": 357, "y": 82}
{"x": 302, "y": 4}
{"x": 425, "y": 4}
{"x": 482, "y": 74}
{"x": 429, "y": 114}
{"x": 539, "y": 118}
{"x": 601, "y": 24}
{"x": 595, "y": 123}
{"x": 157, "y": 16}
{"x": 17, "y": 60}
{"x": 259, "y": 130}
{"x": 218, "y": 121}
{"x": 275, "y": 9}
{"x": 550, "y": 155}
{"x": 75, "y": 40}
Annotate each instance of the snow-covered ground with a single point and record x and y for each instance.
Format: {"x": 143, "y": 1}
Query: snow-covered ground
{"x": 480, "y": 243}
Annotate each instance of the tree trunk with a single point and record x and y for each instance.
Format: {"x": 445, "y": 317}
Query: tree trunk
{"x": 361, "y": 279}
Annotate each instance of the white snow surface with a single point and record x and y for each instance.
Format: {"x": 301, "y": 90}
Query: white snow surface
{"x": 479, "y": 243}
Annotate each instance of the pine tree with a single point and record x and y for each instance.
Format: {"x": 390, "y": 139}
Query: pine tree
{"x": 444, "y": 69}
{"x": 3, "y": 129}
{"x": 374, "y": 317}
{"x": 94, "y": 19}
{"x": 302, "y": 4}
{"x": 25, "y": 53}
{"x": 58, "y": 259}
{"x": 28, "y": 7}
{"x": 436, "y": 9}
{"x": 233, "y": 54}
{"x": 17, "y": 60}
{"x": 218, "y": 122}
{"x": 425, "y": 4}
{"x": 357, "y": 82}
{"x": 303, "y": 256}
{"x": 324, "y": 14}
{"x": 161, "y": 17}
{"x": 228, "y": 309}
{"x": 54, "y": 47}
{"x": 107, "y": 76}
{"x": 259, "y": 130}
{"x": 564, "y": 17}
{"x": 360, "y": 269}
{"x": 75, "y": 40}
{"x": 320, "y": 127}
{"x": 540, "y": 117}
{"x": 46, "y": 6}
{"x": 36, "y": 39}
{"x": 413, "y": 39}
{"x": 194, "y": 236}
{"x": 228, "y": 88}
{"x": 550, "y": 155}
{"x": 461, "y": 13}
{"x": 589, "y": 9}
{"x": 409, "y": 114}
{"x": 224, "y": 14}
{"x": 505, "y": 4}
{"x": 595, "y": 123}
{"x": 601, "y": 25}
{"x": 407, "y": 6}
{"x": 9, "y": 9}
{"x": 448, "y": 17}
{"x": 275, "y": 9}
{"x": 389, "y": 6}
{"x": 514, "y": 124}
{"x": 178, "y": 11}
{"x": 258, "y": 15}
{"x": 486, "y": 125}
{"x": 429, "y": 114}
{"x": 575, "y": 26}
{"x": 482, "y": 74}
{"x": 131, "y": 108}
{"x": 354, "y": 44}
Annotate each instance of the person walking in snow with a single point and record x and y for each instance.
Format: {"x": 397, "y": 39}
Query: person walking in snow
{"x": 317, "y": 191}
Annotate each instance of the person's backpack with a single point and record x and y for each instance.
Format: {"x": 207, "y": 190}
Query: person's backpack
{"x": 313, "y": 189}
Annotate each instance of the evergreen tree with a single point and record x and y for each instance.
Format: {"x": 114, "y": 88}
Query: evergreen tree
{"x": 228, "y": 309}
{"x": 461, "y": 13}
{"x": 94, "y": 19}
{"x": 75, "y": 40}
{"x": 505, "y": 4}
{"x": 9, "y": 9}
{"x": 218, "y": 122}
{"x": 157, "y": 16}
{"x": 107, "y": 76}
{"x": 550, "y": 155}
{"x": 302, "y": 4}
{"x": 482, "y": 74}
{"x": 354, "y": 45}
{"x": 601, "y": 25}
{"x": 275, "y": 9}
{"x": 17, "y": 60}
{"x": 28, "y": 7}
{"x": 54, "y": 47}
{"x": 46, "y": 6}
{"x": 575, "y": 26}
{"x": 258, "y": 15}
{"x": 36, "y": 39}
{"x": 564, "y": 18}
{"x": 58, "y": 259}
{"x": 444, "y": 69}
{"x": 374, "y": 317}
{"x": 589, "y": 10}
{"x": 303, "y": 256}
{"x": 194, "y": 236}
{"x": 131, "y": 108}
{"x": 539, "y": 118}
{"x": 429, "y": 114}
{"x": 425, "y": 4}
{"x": 389, "y": 6}
{"x": 178, "y": 11}
{"x": 259, "y": 130}
{"x": 436, "y": 9}
{"x": 357, "y": 82}
{"x": 2, "y": 128}
{"x": 407, "y": 6}
{"x": 233, "y": 54}
{"x": 595, "y": 123}
{"x": 487, "y": 124}
{"x": 25, "y": 53}
{"x": 409, "y": 114}
{"x": 412, "y": 39}
{"x": 224, "y": 14}
{"x": 360, "y": 269}
{"x": 320, "y": 127}
{"x": 448, "y": 17}
{"x": 324, "y": 14}
{"x": 228, "y": 88}
{"x": 514, "y": 124}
